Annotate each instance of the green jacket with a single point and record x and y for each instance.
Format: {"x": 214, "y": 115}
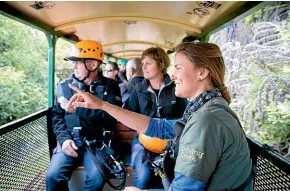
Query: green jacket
{"x": 213, "y": 148}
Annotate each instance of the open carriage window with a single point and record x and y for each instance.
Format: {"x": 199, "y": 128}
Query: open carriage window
{"x": 23, "y": 68}
{"x": 257, "y": 57}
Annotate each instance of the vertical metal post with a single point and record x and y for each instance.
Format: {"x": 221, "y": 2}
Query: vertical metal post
{"x": 51, "y": 71}
{"x": 51, "y": 67}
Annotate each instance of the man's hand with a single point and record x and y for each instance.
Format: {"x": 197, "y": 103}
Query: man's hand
{"x": 69, "y": 148}
{"x": 64, "y": 104}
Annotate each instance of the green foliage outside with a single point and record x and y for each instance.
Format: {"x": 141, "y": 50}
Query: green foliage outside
{"x": 276, "y": 124}
{"x": 63, "y": 69}
{"x": 24, "y": 69}
{"x": 257, "y": 57}
{"x": 19, "y": 96}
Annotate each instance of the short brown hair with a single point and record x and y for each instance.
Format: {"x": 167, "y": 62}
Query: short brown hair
{"x": 114, "y": 65}
{"x": 159, "y": 55}
{"x": 207, "y": 55}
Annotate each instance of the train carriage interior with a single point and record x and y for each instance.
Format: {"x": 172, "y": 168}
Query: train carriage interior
{"x": 247, "y": 32}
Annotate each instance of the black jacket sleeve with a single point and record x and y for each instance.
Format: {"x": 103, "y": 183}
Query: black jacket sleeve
{"x": 58, "y": 120}
{"x": 134, "y": 102}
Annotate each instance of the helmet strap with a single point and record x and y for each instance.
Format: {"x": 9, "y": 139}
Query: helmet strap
{"x": 88, "y": 69}
{"x": 88, "y": 74}
{"x": 82, "y": 80}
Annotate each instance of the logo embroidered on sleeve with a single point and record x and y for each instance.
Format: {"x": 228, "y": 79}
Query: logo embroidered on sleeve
{"x": 190, "y": 153}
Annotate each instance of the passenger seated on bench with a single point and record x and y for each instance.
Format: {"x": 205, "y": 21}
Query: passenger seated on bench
{"x": 134, "y": 75}
{"x": 111, "y": 71}
{"x": 153, "y": 97}
{"x": 122, "y": 74}
{"x": 87, "y": 56}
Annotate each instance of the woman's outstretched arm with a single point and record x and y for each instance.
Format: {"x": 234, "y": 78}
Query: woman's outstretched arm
{"x": 133, "y": 120}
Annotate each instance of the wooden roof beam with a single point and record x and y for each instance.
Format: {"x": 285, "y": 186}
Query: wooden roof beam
{"x": 124, "y": 51}
{"x": 138, "y": 42}
{"x": 71, "y": 23}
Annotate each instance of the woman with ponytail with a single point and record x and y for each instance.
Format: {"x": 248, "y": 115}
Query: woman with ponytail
{"x": 213, "y": 151}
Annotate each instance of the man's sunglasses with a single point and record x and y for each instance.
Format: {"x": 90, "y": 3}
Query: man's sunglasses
{"x": 108, "y": 70}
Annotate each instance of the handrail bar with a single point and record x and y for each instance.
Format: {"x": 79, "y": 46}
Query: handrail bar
{"x": 256, "y": 148}
{"x": 268, "y": 153}
{"x": 22, "y": 121}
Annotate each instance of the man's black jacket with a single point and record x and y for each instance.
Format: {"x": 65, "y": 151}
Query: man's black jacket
{"x": 93, "y": 122}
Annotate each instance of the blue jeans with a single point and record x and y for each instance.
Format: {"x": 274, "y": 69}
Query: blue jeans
{"x": 62, "y": 166}
{"x": 143, "y": 172}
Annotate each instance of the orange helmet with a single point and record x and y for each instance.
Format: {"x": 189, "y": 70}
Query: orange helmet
{"x": 86, "y": 50}
{"x": 153, "y": 144}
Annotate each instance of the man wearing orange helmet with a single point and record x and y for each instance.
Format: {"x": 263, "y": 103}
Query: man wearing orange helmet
{"x": 86, "y": 56}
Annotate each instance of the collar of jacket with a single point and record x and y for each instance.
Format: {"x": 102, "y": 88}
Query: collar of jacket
{"x": 100, "y": 80}
{"x": 135, "y": 80}
{"x": 145, "y": 86}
